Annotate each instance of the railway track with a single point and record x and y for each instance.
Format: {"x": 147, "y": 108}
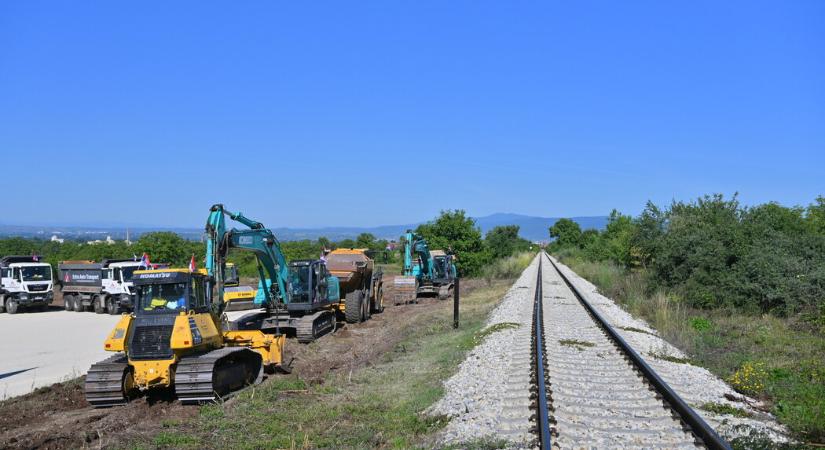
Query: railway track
{"x": 591, "y": 389}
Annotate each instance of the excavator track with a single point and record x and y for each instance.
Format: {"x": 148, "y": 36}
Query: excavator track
{"x": 216, "y": 374}
{"x": 104, "y": 385}
{"x": 311, "y": 327}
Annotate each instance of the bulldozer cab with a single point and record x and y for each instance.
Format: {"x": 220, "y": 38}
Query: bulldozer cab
{"x": 171, "y": 291}
{"x": 310, "y": 283}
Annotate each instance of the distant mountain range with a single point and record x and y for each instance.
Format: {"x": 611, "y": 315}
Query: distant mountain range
{"x": 530, "y": 227}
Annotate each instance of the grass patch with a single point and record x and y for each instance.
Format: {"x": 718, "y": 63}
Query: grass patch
{"x": 780, "y": 360}
{"x": 671, "y": 358}
{"x": 508, "y": 268}
{"x": 636, "y": 330}
{"x": 724, "y": 408}
{"x": 577, "y": 344}
{"x": 479, "y": 444}
{"x": 481, "y": 335}
{"x": 379, "y": 406}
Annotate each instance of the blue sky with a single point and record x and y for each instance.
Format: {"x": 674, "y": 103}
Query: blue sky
{"x": 367, "y": 113}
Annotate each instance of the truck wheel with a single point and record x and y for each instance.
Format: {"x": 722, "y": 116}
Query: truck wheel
{"x": 11, "y": 306}
{"x": 379, "y": 300}
{"x": 367, "y": 308}
{"x": 111, "y": 306}
{"x": 354, "y": 309}
{"x": 97, "y": 301}
{"x": 67, "y": 302}
{"x": 2, "y": 303}
{"x": 77, "y": 303}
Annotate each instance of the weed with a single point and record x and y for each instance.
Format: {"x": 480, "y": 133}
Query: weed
{"x": 671, "y": 358}
{"x": 700, "y": 323}
{"x": 577, "y": 344}
{"x": 481, "y": 335}
{"x": 724, "y": 408}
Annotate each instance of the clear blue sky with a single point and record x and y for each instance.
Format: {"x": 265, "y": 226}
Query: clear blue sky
{"x": 366, "y": 113}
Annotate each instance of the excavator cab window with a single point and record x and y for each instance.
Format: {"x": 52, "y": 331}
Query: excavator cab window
{"x": 320, "y": 276}
{"x": 299, "y": 283}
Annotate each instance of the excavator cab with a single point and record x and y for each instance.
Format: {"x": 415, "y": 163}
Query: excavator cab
{"x": 443, "y": 268}
{"x": 309, "y": 284}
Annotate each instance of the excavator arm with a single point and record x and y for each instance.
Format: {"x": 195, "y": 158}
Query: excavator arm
{"x": 416, "y": 245}
{"x": 272, "y": 267}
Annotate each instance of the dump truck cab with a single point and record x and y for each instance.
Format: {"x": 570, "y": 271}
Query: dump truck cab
{"x": 117, "y": 283}
{"x": 26, "y": 283}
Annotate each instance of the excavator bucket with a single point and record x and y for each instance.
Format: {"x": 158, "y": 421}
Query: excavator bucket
{"x": 404, "y": 289}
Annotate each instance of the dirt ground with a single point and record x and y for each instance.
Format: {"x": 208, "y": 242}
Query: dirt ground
{"x": 58, "y": 417}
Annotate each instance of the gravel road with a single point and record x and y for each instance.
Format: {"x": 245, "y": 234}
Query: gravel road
{"x": 42, "y": 348}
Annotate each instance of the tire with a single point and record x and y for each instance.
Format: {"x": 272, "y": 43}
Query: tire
{"x": 379, "y": 301}
{"x": 367, "y": 308}
{"x": 97, "y": 303}
{"x": 2, "y": 303}
{"x": 77, "y": 303}
{"x": 354, "y": 307}
{"x": 68, "y": 305}
{"x": 111, "y": 306}
{"x": 11, "y": 306}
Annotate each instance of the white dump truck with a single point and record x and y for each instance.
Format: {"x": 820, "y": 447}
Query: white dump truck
{"x": 26, "y": 284}
{"x": 103, "y": 287}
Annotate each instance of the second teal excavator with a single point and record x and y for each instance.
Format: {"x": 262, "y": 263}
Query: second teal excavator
{"x": 424, "y": 272}
{"x": 301, "y": 297}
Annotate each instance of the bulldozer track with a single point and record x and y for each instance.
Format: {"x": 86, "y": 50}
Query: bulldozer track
{"x": 202, "y": 378}
{"x": 590, "y": 388}
{"x": 104, "y": 382}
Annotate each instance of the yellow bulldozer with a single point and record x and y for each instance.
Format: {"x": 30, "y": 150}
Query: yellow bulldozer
{"x": 175, "y": 340}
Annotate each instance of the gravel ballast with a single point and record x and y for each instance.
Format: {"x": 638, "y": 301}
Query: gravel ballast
{"x": 488, "y": 398}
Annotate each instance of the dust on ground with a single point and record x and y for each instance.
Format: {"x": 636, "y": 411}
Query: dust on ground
{"x": 58, "y": 417}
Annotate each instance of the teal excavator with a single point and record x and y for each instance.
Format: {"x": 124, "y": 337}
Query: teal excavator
{"x": 300, "y": 297}
{"x": 425, "y": 271}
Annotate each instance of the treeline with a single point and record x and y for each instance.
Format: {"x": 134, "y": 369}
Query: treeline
{"x": 455, "y": 232}
{"x": 452, "y": 231}
{"x": 168, "y": 247}
{"x": 714, "y": 252}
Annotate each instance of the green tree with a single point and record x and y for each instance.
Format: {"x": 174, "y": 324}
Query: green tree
{"x": 454, "y": 231}
{"x": 365, "y": 240}
{"x": 815, "y": 215}
{"x": 504, "y": 241}
{"x": 166, "y": 246}
{"x": 566, "y": 233}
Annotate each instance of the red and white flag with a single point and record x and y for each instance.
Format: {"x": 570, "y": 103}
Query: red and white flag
{"x": 192, "y": 267}
{"x": 144, "y": 261}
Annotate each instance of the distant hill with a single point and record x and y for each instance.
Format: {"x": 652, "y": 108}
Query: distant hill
{"x": 530, "y": 227}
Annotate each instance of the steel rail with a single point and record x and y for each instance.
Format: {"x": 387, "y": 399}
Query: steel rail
{"x": 542, "y": 413}
{"x": 700, "y": 429}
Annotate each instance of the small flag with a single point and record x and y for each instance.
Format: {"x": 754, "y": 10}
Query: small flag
{"x": 35, "y": 258}
{"x": 144, "y": 261}
{"x": 192, "y": 267}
